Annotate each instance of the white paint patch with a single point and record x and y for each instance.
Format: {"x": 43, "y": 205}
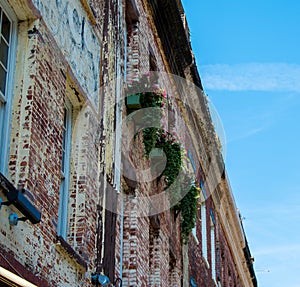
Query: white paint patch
{"x": 69, "y": 24}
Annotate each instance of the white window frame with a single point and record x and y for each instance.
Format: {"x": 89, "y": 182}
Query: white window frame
{"x": 63, "y": 212}
{"x": 194, "y": 232}
{"x": 204, "y": 231}
{"x": 7, "y": 98}
{"x": 213, "y": 249}
{"x": 204, "y": 246}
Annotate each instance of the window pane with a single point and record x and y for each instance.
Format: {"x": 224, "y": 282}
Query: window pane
{"x": 3, "y": 53}
{"x": 64, "y": 145}
{"x": 5, "y": 27}
{"x": 2, "y": 79}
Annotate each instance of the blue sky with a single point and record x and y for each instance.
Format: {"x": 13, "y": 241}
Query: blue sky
{"x": 248, "y": 57}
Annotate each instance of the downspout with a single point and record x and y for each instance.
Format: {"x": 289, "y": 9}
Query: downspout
{"x": 122, "y": 197}
{"x": 119, "y": 111}
{"x": 121, "y": 236}
{"x": 102, "y": 190}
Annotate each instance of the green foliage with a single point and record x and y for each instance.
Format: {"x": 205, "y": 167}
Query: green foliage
{"x": 181, "y": 188}
{"x": 185, "y": 193}
{"x": 188, "y": 209}
{"x": 172, "y": 150}
{"x": 150, "y": 136}
{"x": 156, "y": 138}
{"x": 154, "y": 99}
{"x": 148, "y": 91}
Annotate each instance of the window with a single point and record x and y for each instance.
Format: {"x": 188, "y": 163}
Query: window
{"x": 213, "y": 247}
{"x": 62, "y": 225}
{"x": 204, "y": 231}
{"x": 194, "y": 230}
{"x": 8, "y": 24}
{"x": 203, "y": 222}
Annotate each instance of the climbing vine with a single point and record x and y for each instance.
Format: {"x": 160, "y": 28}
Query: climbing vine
{"x": 173, "y": 152}
{"x": 182, "y": 189}
{"x": 188, "y": 209}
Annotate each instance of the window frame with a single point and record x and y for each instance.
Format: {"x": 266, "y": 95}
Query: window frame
{"x": 7, "y": 99}
{"x": 213, "y": 247}
{"x": 204, "y": 219}
{"x": 204, "y": 231}
{"x": 63, "y": 211}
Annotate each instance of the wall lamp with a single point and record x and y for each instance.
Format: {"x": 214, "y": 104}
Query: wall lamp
{"x": 103, "y": 281}
{"x": 20, "y": 201}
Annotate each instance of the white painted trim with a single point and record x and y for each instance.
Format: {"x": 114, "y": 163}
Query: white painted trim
{"x": 213, "y": 252}
{"x": 5, "y": 110}
{"x": 63, "y": 211}
{"x": 206, "y": 262}
{"x": 15, "y": 278}
{"x": 194, "y": 232}
{"x": 204, "y": 232}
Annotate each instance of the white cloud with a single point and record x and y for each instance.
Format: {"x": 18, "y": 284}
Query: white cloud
{"x": 247, "y": 134}
{"x": 251, "y": 77}
{"x": 284, "y": 249}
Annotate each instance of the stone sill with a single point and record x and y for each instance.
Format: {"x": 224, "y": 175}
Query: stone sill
{"x": 195, "y": 238}
{"x": 206, "y": 262}
{"x": 73, "y": 254}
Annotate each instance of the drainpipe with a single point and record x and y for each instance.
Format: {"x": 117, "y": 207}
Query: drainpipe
{"x": 121, "y": 236}
{"x": 119, "y": 101}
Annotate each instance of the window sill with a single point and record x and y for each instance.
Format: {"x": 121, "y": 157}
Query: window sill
{"x": 206, "y": 262}
{"x": 195, "y": 238}
{"x": 63, "y": 244}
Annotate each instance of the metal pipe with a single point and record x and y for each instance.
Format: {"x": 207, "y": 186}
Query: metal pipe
{"x": 120, "y": 6}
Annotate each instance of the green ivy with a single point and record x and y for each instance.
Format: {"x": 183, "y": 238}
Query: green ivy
{"x": 154, "y": 99}
{"x": 182, "y": 189}
{"x": 188, "y": 209}
{"x": 172, "y": 150}
{"x": 150, "y": 136}
{"x": 185, "y": 193}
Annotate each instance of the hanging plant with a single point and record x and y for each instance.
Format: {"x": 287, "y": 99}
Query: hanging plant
{"x": 188, "y": 209}
{"x": 150, "y": 137}
{"x": 185, "y": 194}
{"x": 157, "y": 138}
{"x": 153, "y": 99}
{"x": 173, "y": 152}
{"x": 145, "y": 93}
{"x": 133, "y": 102}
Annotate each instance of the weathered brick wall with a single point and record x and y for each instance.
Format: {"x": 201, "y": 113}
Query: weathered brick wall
{"x": 227, "y": 270}
{"x": 226, "y": 264}
{"x": 75, "y": 50}
{"x": 200, "y": 269}
{"x": 147, "y": 251}
{"x": 45, "y": 77}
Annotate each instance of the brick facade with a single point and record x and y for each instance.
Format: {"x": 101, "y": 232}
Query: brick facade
{"x": 82, "y": 54}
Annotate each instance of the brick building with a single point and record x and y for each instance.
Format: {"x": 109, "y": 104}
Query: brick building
{"x": 74, "y": 199}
